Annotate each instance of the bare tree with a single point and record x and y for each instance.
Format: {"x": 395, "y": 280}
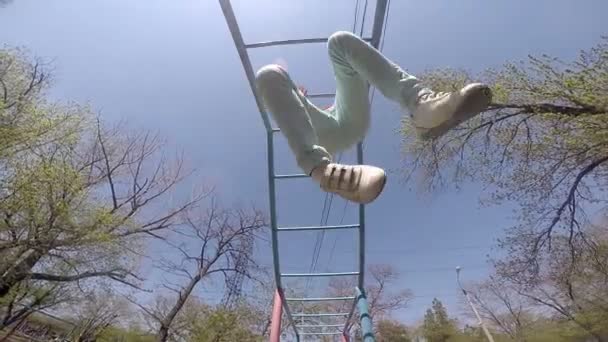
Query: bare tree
{"x": 95, "y": 313}
{"x": 382, "y": 299}
{"x": 59, "y": 226}
{"x": 572, "y": 284}
{"x": 28, "y": 298}
{"x": 213, "y": 243}
{"x": 502, "y": 306}
{"x": 78, "y": 199}
{"x": 541, "y": 144}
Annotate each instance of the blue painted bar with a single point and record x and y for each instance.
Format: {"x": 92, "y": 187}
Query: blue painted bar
{"x": 295, "y": 175}
{"x": 379, "y": 16}
{"x": 319, "y": 326}
{"x": 246, "y": 62}
{"x": 320, "y": 299}
{"x": 291, "y": 42}
{"x": 366, "y": 320}
{"x": 235, "y": 31}
{"x": 326, "y": 274}
{"x": 321, "y": 95}
{"x": 343, "y": 226}
{"x": 361, "y": 281}
{"x": 359, "y": 300}
{"x": 324, "y": 314}
{"x": 322, "y": 333}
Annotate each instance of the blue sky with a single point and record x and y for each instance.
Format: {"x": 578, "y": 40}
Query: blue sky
{"x": 171, "y": 66}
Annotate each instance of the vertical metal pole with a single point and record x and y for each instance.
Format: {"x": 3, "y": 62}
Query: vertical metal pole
{"x": 235, "y": 31}
{"x": 367, "y": 329}
{"x": 275, "y": 232}
{"x": 379, "y": 16}
{"x": 244, "y": 56}
{"x": 277, "y": 313}
{"x": 361, "y": 301}
{"x": 361, "y": 228}
{"x": 479, "y": 319}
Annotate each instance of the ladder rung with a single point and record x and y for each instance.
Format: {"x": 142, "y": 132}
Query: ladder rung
{"x": 295, "y": 175}
{"x": 320, "y": 326}
{"x": 291, "y": 42}
{"x": 325, "y": 314}
{"x": 344, "y": 226}
{"x": 323, "y": 333}
{"x": 325, "y": 299}
{"x": 321, "y": 95}
{"x": 328, "y": 274}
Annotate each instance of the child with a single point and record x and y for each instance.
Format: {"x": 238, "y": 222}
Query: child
{"x": 315, "y": 134}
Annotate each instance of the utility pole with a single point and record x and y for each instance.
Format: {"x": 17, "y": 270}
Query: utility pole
{"x": 466, "y": 294}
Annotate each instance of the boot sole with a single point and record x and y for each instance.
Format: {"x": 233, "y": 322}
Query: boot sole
{"x": 379, "y": 192}
{"x": 349, "y": 198}
{"x": 381, "y": 189}
{"x": 472, "y": 106}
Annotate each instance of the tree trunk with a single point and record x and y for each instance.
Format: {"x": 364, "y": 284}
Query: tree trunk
{"x": 19, "y": 270}
{"x": 163, "y": 331}
{"x": 14, "y": 329}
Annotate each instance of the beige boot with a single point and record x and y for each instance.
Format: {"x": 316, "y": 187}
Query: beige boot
{"x": 357, "y": 183}
{"x": 436, "y": 113}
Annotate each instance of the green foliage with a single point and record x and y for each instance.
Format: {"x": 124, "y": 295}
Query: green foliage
{"x": 74, "y": 193}
{"x": 391, "y": 331}
{"x": 437, "y": 326}
{"x": 113, "y": 334}
{"x": 222, "y": 326}
{"x": 541, "y": 145}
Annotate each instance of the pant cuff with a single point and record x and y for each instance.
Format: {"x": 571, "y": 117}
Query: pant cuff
{"x": 309, "y": 160}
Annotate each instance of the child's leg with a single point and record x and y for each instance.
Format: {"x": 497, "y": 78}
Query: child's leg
{"x": 295, "y": 119}
{"x": 355, "y": 61}
{"x": 299, "y": 121}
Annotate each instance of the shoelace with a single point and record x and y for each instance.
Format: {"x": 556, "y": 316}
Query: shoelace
{"x": 433, "y": 95}
{"x": 343, "y": 170}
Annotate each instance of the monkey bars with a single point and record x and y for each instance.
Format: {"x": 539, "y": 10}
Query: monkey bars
{"x": 281, "y": 303}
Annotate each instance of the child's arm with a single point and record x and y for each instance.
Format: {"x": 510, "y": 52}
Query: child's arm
{"x": 303, "y": 91}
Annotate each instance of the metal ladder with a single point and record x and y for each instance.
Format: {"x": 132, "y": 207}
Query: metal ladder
{"x": 281, "y": 302}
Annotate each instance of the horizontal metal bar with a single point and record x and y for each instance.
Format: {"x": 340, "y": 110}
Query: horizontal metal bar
{"x": 323, "y": 333}
{"x": 328, "y": 274}
{"x": 320, "y": 326}
{"x": 241, "y": 49}
{"x": 291, "y": 42}
{"x": 295, "y": 175}
{"x": 321, "y": 95}
{"x": 325, "y": 299}
{"x": 342, "y": 226}
{"x": 325, "y": 314}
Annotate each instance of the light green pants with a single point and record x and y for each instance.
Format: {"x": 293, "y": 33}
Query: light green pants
{"x": 314, "y": 134}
